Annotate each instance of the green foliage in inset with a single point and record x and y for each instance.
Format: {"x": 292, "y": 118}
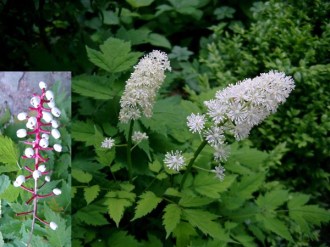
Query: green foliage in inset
{"x": 171, "y": 218}
{"x": 8, "y": 154}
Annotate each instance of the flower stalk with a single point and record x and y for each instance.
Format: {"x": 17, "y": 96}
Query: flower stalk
{"x": 40, "y": 118}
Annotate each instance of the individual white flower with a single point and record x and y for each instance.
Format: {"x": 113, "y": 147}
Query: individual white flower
{"x": 57, "y": 191}
{"x": 55, "y": 133}
{"x": 36, "y": 174}
{"x": 219, "y": 172}
{"x": 108, "y": 143}
{"x": 47, "y": 178}
{"x": 31, "y": 123}
{"x": 47, "y": 116}
{"x": 214, "y": 136}
{"x": 19, "y": 181}
{"x": 29, "y": 152}
{"x": 51, "y": 104}
{"x": 43, "y": 143}
{"x": 57, "y": 147}
{"x": 142, "y": 86}
{"x": 139, "y": 136}
{"x": 42, "y": 85}
{"x": 21, "y": 133}
{"x": 56, "y": 112}
{"x": 221, "y": 152}
{"x": 22, "y": 116}
{"x": 174, "y": 160}
{"x": 247, "y": 103}
{"x": 17, "y": 184}
{"x": 53, "y": 225}
{"x": 54, "y": 124}
{"x": 45, "y": 136}
{"x": 42, "y": 168}
{"x": 196, "y": 122}
{"x": 49, "y": 95}
{"x": 35, "y": 101}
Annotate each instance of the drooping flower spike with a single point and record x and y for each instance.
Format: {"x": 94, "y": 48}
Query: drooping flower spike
{"x": 41, "y": 124}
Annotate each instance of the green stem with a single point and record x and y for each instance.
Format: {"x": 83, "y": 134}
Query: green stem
{"x": 129, "y": 151}
{"x": 199, "y": 149}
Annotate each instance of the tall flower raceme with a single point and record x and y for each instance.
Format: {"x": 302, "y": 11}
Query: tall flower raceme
{"x": 139, "y": 97}
{"x": 142, "y": 86}
{"x": 41, "y": 123}
{"x": 235, "y": 110}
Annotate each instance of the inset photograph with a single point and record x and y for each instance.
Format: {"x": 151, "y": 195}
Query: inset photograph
{"x": 35, "y": 157}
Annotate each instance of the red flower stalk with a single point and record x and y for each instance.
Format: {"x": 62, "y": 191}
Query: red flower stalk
{"x": 39, "y": 120}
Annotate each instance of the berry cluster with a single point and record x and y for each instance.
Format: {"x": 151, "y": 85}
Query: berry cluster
{"x": 41, "y": 124}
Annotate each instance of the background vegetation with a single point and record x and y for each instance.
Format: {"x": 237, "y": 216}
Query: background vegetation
{"x": 211, "y": 44}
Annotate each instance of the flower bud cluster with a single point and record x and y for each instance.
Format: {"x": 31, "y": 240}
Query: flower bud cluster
{"x": 41, "y": 125}
{"x": 142, "y": 86}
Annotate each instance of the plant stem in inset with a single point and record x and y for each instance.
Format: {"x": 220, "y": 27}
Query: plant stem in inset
{"x": 197, "y": 152}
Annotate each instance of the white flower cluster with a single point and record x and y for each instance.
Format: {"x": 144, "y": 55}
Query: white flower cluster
{"x": 174, "y": 160}
{"x": 138, "y": 136}
{"x": 239, "y": 107}
{"x": 108, "y": 143}
{"x": 34, "y": 123}
{"x": 142, "y": 86}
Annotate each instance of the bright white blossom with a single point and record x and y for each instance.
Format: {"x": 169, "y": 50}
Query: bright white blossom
{"x": 108, "y": 143}
{"x": 21, "y": 133}
{"x": 221, "y": 152}
{"x": 19, "y": 180}
{"x": 241, "y": 106}
{"x": 214, "y": 136}
{"x": 219, "y": 172}
{"x": 139, "y": 136}
{"x": 53, "y": 225}
{"x": 57, "y": 191}
{"x": 174, "y": 160}
{"x": 142, "y": 86}
{"x": 196, "y": 122}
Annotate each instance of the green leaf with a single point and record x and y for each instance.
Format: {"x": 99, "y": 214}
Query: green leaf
{"x": 207, "y": 185}
{"x": 272, "y": 199}
{"x": 159, "y": 40}
{"x": 171, "y": 218}
{"x": 277, "y": 227}
{"x": 97, "y": 87}
{"x": 62, "y": 236}
{"x": 247, "y": 185}
{"x": 10, "y": 194}
{"x": 4, "y": 183}
{"x": 139, "y": 3}
{"x": 115, "y": 56}
{"x": 122, "y": 239}
{"x": 83, "y": 131}
{"x": 194, "y": 201}
{"x": 8, "y": 153}
{"x": 91, "y": 193}
{"x": 92, "y": 215}
{"x": 135, "y": 36}
{"x": 146, "y": 204}
{"x": 183, "y": 232}
{"x": 204, "y": 221}
{"x": 81, "y": 176}
{"x": 116, "y": 208}
{"x": 155, "y": 166}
